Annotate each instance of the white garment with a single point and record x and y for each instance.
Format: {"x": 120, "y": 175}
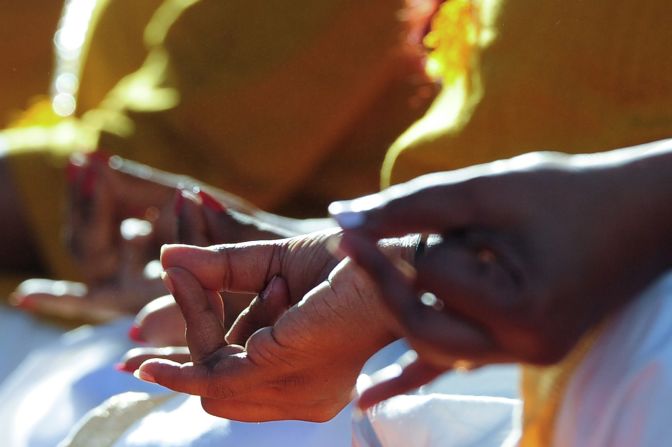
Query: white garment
{"x": 620, "y": 395}
{"x": 447, "y": 421}
{"x": 59, "y": 383}
{"x": 21, "y": 334}
{"x": 476, "y": 409}
{"x": 180, "y": 421}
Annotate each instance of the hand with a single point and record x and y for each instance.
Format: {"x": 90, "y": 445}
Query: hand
{"x": 161, "y": 325}
{"x": 305, "y": 365}
{"x": 101, "y": 198}
{"x": 136, "y": 282}
{"x": 202, "y": 220}
{"x": 533, "y": 253}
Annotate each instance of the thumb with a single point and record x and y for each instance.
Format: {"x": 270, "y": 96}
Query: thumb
{"x": 419, "y": 206}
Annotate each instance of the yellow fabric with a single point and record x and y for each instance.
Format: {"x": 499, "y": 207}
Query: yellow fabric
{"x": 279, "y": 105}
{"x": 542, "y": 391}
{"x": 562, "y": 75}
{"x": 264, "y": 108}
{"x": 572, "y": 76}
{"x": 26, "y": 30}
{"x": 40, "y": 142}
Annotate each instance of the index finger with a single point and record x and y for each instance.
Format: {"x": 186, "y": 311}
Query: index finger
{"x": 245, "y": 267}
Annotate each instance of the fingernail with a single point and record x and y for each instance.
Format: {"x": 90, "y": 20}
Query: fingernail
{"x": 168, "y": 282}
{"x": 135, "y": 334}
{"x": 27, "y": 304}
{"x": 345, "y": 217}
{"x": 144, "y": 376}
{"x": 267, "y": 290}
{"x": 123, "y": 367}
{"x": 350, "y": 220}
{"x": 178, "y": 202}
{"x": 210, "y": 202}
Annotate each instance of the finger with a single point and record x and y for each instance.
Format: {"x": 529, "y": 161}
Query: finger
{"x": 231, "y": 376}
{"x": 191, "y": 224}
{"x": 446, "y": 334}
{"x": 263, "y": 311}
{"x": 160, "y": 323}
{"x": 411, "y": 377}
{"x": 61, "y": 299}
{"x": 93, "y": 232}
{"x": 244, "y": 268}
{"x": 226, "y": 225}
{"x": 476, "y": 285}
{"x": 137, "y": 356}
{"x": 408, "y": 208}
{"x": 205, "y": 328}
{"x": 138, "y": 188}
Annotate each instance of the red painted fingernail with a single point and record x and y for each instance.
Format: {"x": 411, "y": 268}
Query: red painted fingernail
{"x": 210, "y": 202}
{"x": 178, "y": 202}
{"x": 135, "y": 334}
{"x": 123, "y": 367}
{"x": 26, "y": 304}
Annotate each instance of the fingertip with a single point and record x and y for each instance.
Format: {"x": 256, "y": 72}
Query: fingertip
{"x": 156, "y": 367}
{"x": 366, "y": 400}
{"x": 144, "y": 375}
{"x": 123, "y": 367}
{"x": 168, "y": 282}
{"x": 23, "y": 302}
{"x": 177, "y": 255}
{"x": 135, "y": 334}
{"x": 348, "y": 220}
{"x": 166, "y": 252}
